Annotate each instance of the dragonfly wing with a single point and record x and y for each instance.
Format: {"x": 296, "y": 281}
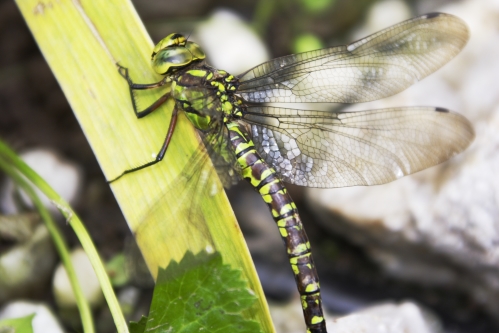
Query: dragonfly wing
{"x": 216, "y": 139}
{"x": 326, "y": 149}
{"x": 375, "y": 67}
{"x": 222, "y": 155}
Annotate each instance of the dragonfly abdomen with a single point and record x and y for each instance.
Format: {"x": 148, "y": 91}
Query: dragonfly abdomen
{"x": 266, "y": 181}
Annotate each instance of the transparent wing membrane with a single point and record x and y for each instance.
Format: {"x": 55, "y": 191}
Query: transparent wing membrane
{"x": 222, "y": 156}
{"x": 304, "y": 147}
{"x": 374, "y": 67}
{"x": 326, "y": 149}
{"x": 216, "y": 140}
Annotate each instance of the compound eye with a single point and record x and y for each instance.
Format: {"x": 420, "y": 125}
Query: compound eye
{"x": 171, "y": 40}
{"x": 197, "y": 53}
{"x": 169, "y": 59}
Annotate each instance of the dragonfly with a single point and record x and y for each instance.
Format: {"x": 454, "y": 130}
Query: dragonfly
{"x": 248, "y": 137}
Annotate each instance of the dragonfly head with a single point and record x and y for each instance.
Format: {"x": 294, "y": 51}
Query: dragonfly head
{"x": 174, "y": 52}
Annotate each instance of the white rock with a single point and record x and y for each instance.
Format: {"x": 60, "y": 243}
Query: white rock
{"x": 63, "y": 176}
{"x": 230, "y": 43}
{"x": 387, "y": 318}
{"x": 406, "y": 317}
{"x": 383, "y": 14}
{"x": 61, "y": 286}
{"x": 129, "y": 297}
{"x": 44, "y": 320}
{"x": 26, "y": 266}
{"x": 441, "y": 225}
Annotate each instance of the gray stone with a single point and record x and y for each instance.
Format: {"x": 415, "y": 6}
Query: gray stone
{"x": 439, "y": 226}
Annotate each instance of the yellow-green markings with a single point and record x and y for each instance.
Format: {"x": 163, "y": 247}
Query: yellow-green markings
{"x": 267, "y": 182}
{"x": 206, "y": 95}
{"x": 197, "y": 72}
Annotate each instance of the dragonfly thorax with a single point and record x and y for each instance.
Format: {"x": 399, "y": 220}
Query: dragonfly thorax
{"x": 207, "y": 95}
{"x": 203, "y": 92}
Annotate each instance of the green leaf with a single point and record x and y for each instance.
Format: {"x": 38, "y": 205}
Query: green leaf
{"x": 17, "y": 325}
{"x": 138, "y": 327}
{"x": 201, "y": 294}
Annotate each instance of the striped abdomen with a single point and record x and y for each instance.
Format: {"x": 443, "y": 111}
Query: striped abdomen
{"x": 265, "y": 180}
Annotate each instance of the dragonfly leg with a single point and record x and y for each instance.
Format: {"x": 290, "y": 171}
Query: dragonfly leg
{"x": 136, "y": 86}
{"x": 162, "y": 151}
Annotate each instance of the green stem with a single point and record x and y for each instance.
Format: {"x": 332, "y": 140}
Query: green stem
{"x": 60, "y": 245}
{"x": 77, "y": 226}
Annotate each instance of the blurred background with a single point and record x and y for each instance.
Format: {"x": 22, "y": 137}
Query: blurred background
{"x": 423, "y": 249}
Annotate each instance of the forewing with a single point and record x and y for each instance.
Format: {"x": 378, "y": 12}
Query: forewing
{"x": 325, "y": 149}
{"x": 377, "y": 66}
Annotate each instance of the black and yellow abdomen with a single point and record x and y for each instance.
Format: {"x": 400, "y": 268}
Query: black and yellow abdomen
{"x": 266, "y": 181}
